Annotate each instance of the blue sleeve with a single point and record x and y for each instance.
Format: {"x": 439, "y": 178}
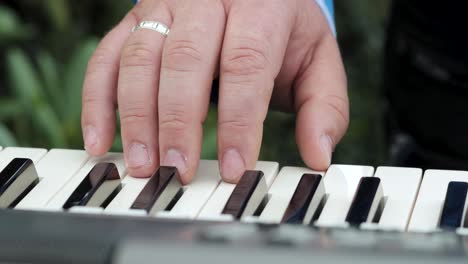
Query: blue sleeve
{"x": 328, "y": 12}
{"x": 329, "y": 4}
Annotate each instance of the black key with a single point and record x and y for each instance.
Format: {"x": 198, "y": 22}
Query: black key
{"x": 16, "y": 180}
{"x": 160, "y": 190}
{"x": 301, "y": 203}
{"x": 454, "y": 205}
{"x": 97, "y": 189}
{"x": 365, "y": 201}
{"x": 247, "y": 195}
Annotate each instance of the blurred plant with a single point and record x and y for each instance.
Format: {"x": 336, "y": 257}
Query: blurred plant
{"x": 44, "y": 105}
{"x": 11, "y": 28}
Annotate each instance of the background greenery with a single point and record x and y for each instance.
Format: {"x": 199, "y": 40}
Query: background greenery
{"x": 45, "y": 45}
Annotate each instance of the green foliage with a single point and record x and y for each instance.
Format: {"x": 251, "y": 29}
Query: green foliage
{"x": 43, "y": 103}
{"x": 11, "y": 28}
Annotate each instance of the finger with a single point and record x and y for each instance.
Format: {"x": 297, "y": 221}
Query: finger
{"x": 322, "y": 105}
{"x": 189, "y": 60}
{"x": 251, "y": 59}
{"x": 99, "y": 90}
{"x": 138, "y": 90}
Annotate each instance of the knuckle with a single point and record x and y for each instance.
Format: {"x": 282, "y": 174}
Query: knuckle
{"x": 239, "y": 122}
{"x": 138, "y": 54}
{"x": 99, "y": 61}
{"x": 174, "y": 119}
{"x": 245, "y": 60}
{"x": 134, "y": 114}
{"x": 182, "y": 54}
{"x": 339, "y": 105}
{"x": 90, "y": 97}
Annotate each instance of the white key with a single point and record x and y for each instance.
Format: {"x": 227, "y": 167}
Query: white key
{"x": 1, "y": 148}
{"x": 8, "y": 154}
{"x": 56, "y": 168}
{"x": 281, "y": 193}
{"x": 215, "y": 204}
{"x": 341, "y": 182}
{"x": 62, "y": 196}
{"x": 196, "y": 194}
{"x": 85, "y": 210}
{"x": 431, "y": 196}
{"x": 400, "y": 188}
{"x": 124, "y": 199}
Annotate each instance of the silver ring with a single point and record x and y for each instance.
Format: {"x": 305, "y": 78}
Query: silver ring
{"x": 153, "y": 25}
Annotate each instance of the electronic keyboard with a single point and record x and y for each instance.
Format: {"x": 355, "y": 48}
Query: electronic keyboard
{"x": 65, "y": 206}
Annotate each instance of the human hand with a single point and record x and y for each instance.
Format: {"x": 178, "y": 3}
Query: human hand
{"x": 275, "y": 51}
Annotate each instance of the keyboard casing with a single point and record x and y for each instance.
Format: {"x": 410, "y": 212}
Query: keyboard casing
{"x": 53, "y": 237}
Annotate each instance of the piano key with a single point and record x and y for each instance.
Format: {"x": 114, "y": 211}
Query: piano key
{"x": 197, "y": 193}
{"x": 213, "y": 208}
{"x": 306, "y": 199}
{"x": 16, "y": 178}
{"x": 85, "y": 210}
{"x": 365, "y": 202}
{"x": 10, "y": 153}
{"x": 247, "y": 195}
{"x": 59, "y": 199}
{"x": 281, "y": 192}
{"x": 400, "y": 187}
{"x": 159, "y": 191}
{"x": 99, "y": 186}
{"x": 55, "y": 169}
{"x": 454, "y": 205}
{"x": 429, "y": 203}
{"x": 341, "y": 182}
{"x": 131, "y": 188}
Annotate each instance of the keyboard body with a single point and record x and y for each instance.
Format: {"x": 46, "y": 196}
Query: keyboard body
{"x": 405, "y": 226}
{"x": 48, "y": 237}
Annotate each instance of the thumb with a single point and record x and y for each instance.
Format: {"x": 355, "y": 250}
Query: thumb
{"x": 322, "y": 105}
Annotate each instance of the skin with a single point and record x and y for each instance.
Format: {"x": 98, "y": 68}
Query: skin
{"x": 266, "y": 53}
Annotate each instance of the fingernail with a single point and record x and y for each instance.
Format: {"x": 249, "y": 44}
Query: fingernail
{"x": 326, "y": 144}
{"x": 232, "y": 165}
{"x": 90, "y": 137}
{"x": 137, "y": 155}
{"x": 175, "y": 159}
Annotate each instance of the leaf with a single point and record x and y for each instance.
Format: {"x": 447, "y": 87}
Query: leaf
{"x": 51, "y": 82}
{"x": 49, "y": 125}
{"x": 117, "y": 146}
{"x": 58, "y": 11}
{"x": 6, "y": 137}
{"x": 11, "y": 27}
{"x": 210, "y": 147}
{"x": 74, "y": 76}
{"x": 24, "y": 81}
{"x": 9, "y": 109}
{"x": 8, "y": 21}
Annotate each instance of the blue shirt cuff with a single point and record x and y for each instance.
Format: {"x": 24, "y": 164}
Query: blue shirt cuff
{"x": 328, "y": 12}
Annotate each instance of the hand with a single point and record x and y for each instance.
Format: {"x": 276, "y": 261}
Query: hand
{"x": 275, "y": 51}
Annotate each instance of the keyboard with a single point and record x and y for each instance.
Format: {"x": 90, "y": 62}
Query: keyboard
{"x": 65, "y": 206}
